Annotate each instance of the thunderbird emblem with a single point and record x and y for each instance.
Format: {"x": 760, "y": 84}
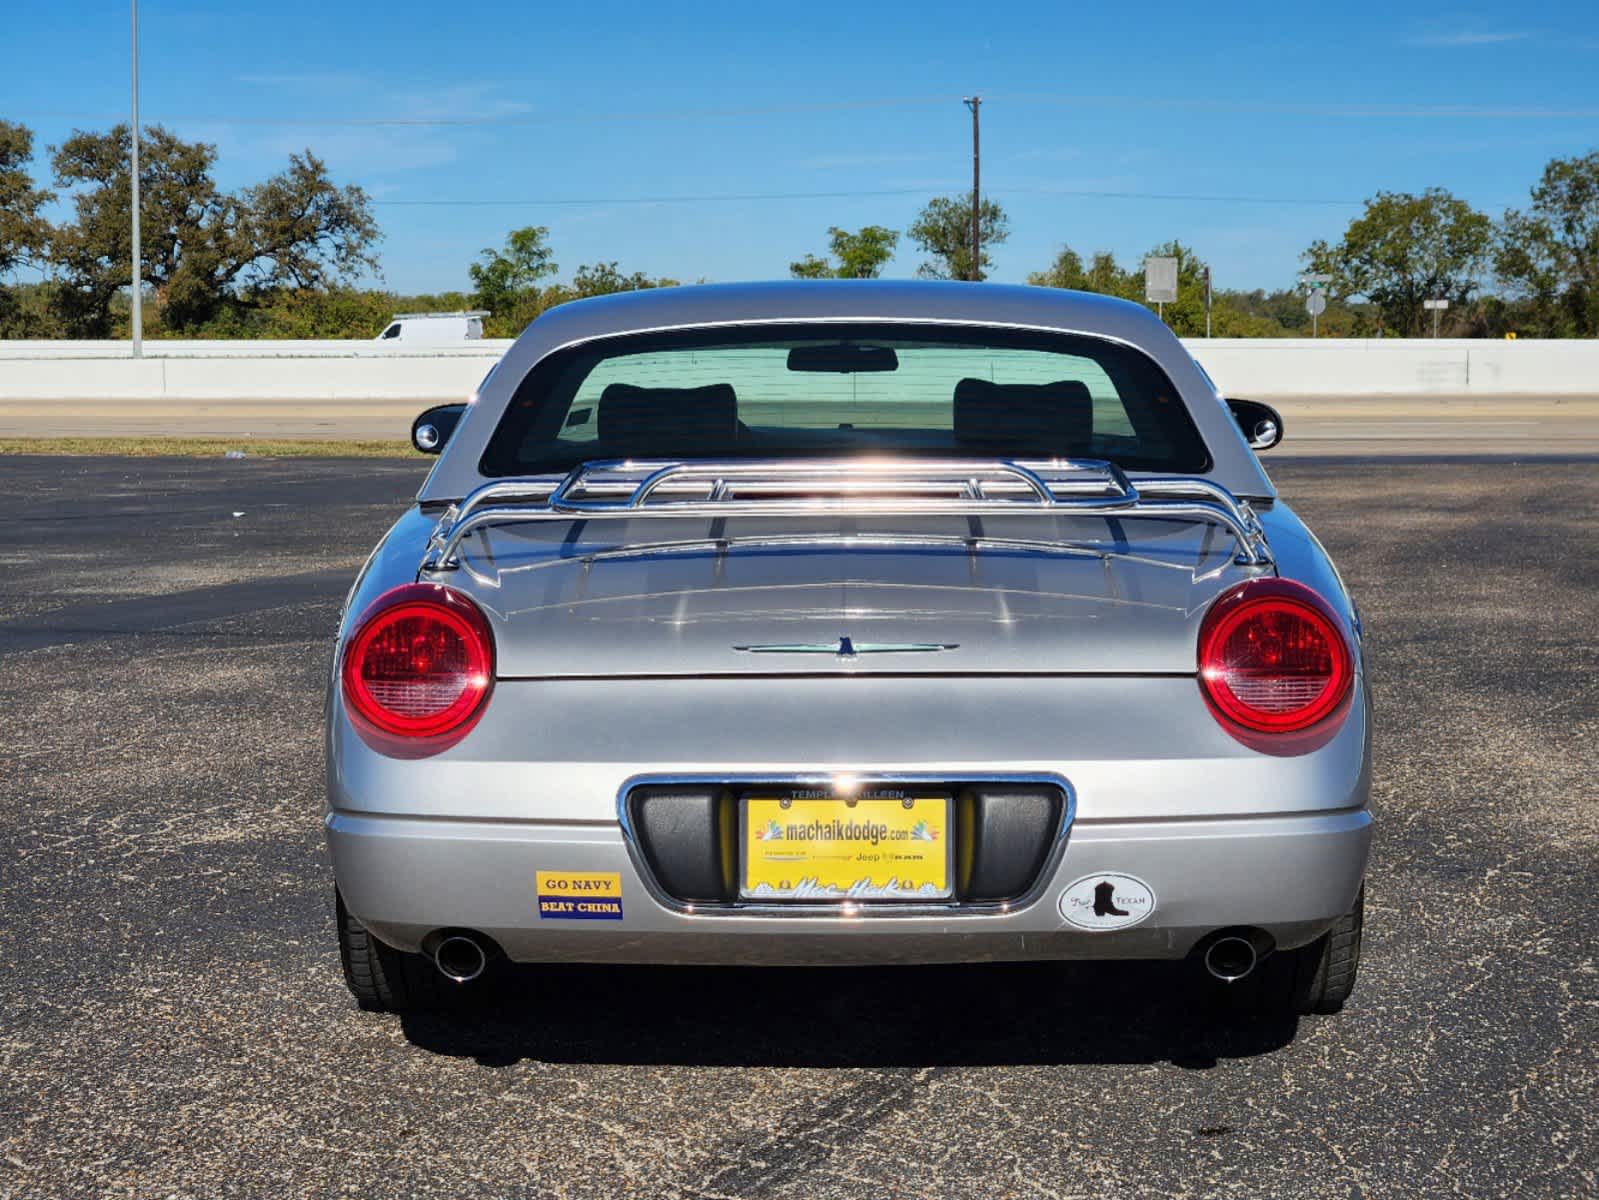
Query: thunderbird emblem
{"x": 847, "y": 647}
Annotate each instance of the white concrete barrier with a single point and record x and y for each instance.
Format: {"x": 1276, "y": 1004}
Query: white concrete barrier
{"x": 490, "y": 348}
{"x": 1328, "y": 367}
{"x": 241, "y": 371}
{"x": 370, "y": 371}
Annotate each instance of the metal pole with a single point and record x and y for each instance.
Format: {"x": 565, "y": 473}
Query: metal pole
{"x": 138, "y": 285}
{"x": 975, "y": 103}
{"x": 1207, "y": 301}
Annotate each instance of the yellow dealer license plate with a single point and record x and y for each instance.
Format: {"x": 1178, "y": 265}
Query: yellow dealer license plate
{"x": 872, "y": 847}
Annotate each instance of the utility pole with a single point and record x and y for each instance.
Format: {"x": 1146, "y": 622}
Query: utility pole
{"x": 975, "y": 103}
{"x": 1207, "y": 301}
{"x": 138, "y": 284}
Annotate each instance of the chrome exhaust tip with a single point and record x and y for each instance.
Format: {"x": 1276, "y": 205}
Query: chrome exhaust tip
{"x": 459, "y": 958}
{"x": 1231, "y": 958}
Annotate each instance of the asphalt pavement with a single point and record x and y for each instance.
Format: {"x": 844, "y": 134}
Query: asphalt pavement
{"x": 173, "y": 1023}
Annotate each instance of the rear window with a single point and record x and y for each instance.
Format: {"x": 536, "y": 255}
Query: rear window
{"x": 837, "y": 390}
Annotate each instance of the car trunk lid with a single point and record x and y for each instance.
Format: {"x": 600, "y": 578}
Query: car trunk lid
{"x": 1038, "y": 593}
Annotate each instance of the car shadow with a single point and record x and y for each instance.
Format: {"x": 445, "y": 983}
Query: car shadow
{"x": 966, "y": 1015}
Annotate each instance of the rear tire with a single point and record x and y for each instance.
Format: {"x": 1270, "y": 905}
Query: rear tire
{"x": 1291, "y": 983}
{"x": 383, "y": 979}
{"x": 1328, "y": 966}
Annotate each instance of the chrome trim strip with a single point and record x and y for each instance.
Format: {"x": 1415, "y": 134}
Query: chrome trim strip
{"x": 847, "y": 647}
{"x": 833, "y": 910}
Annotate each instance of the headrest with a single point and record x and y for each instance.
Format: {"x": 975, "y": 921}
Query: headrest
{"x": 1053, "y": 418}
{"x": 669, "y": 420}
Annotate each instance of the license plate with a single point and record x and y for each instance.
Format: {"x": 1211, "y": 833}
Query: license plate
{"x": 821, "y": 848}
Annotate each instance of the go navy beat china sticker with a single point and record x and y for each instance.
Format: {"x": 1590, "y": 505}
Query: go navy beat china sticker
{"x": 580, "y": 895}
{"x": 1100, "y": 903}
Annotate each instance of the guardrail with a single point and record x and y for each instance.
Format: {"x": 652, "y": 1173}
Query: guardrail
{"x": 372, "y": 371}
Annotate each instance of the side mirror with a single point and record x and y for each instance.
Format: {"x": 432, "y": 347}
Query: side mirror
{"x": 1262, "y": 424}
{"x": 433, "y": 428}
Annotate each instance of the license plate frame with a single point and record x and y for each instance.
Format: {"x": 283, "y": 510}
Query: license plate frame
{"x": 930, "y": 877}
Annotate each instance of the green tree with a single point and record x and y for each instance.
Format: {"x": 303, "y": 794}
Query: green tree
{"x": 200, "y": 249}
{"x": 24, "y": 232}
{"x": 1102, "y": 275}
{"x": 298, "y": 229}
{"x": 1108, "y": 278}
{"x": 1065, "y": 272}
{"x": 1550, "y": 254}
{"x": 944, "y": 230}
{"x": 1405, "y": 249}
{"x": 181, "y": 211}
{"x": 324, "y": 312}
{"x": 860, "y": 255}
{"x": 812, "y": 267}
{"x": 602, "y": 279}
{"x": 504, "y": 281}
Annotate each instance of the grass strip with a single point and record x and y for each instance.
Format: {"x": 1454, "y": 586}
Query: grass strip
{"x": 206, "y": 447}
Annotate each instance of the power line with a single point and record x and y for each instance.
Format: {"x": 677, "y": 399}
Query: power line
{"x": 921, "y": 190}
{"x": 1193, "y": 197}
{"x": 1353, "y": 111}
{"x": 1380, "y": 110}
{"x": 708, "y": 198}
{"x": 512, "y": 119}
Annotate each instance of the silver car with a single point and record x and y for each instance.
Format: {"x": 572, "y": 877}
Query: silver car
{"x": 849, "y": 623}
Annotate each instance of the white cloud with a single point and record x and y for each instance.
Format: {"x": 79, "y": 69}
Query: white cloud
{"x": 400, "y": 137}
{"x": 833, "y": 161}
{"x": 459, "y": 102}
{"x": 322, "y": 81}
{"x": 248, "y": 153}
{"x": 1046, "y": 154}
{"x": 1463, "y": 38}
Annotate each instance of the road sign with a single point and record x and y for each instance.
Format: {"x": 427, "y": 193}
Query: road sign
{"x": 1160, "y": 280}
{"x": 1435, "y": 307}
{"x": 1316, "y": 302}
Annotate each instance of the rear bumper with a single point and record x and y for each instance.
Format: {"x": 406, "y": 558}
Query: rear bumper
{"x": 1291, "y": 875}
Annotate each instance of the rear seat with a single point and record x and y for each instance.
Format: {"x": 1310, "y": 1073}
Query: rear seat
{"x": 668, "y": 421}
{"x": 1057, "y": 417}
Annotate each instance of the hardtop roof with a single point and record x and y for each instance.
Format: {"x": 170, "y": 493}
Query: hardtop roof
{"x": 842, "y": 299}
{"x": 935, "y": 302}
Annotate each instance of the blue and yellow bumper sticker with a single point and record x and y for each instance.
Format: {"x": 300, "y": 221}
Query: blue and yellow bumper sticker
{"x": 580, "y": 895}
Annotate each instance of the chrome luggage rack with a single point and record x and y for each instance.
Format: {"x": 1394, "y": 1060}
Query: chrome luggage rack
{"x": 847, "y": 487}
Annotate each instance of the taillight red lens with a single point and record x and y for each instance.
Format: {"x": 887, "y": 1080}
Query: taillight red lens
{"x": 1273, "y": 657}
{"x": 420, "y": 665}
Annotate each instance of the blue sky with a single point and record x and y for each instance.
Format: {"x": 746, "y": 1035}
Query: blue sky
{"x": 611, "y": 104}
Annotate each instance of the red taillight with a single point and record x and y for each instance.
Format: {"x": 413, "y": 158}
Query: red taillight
{"x": 419, "y": 667}
{"x": 1273, "y": 657}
